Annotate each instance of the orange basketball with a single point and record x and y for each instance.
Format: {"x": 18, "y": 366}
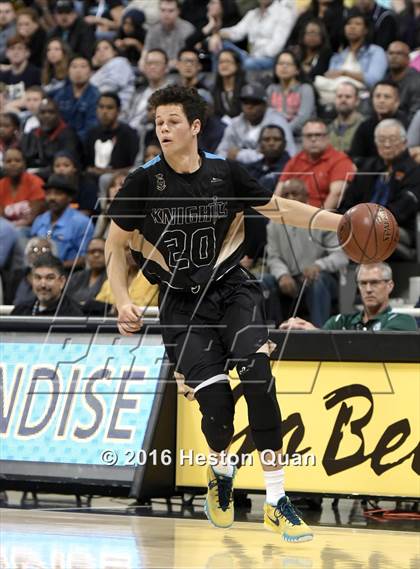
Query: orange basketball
{"x": 368, "y": 233}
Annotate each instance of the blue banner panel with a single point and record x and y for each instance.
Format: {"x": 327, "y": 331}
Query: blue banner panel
{"x": 76, "y": 403}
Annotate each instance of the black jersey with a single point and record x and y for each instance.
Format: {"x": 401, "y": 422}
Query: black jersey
{"x": 189, "y": 228}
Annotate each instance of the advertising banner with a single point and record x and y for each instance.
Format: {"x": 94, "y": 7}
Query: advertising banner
{"x": 73, "y": 402}
{"x": 349, "y": 428}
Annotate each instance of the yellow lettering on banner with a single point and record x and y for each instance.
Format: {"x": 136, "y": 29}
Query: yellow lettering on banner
{"x": 360, "y": 421}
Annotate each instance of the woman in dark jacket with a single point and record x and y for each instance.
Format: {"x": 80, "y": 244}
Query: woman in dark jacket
{"x": 313, "y": 50}
{"x": 229, "y": 81}
{"x": 332, "y": 15}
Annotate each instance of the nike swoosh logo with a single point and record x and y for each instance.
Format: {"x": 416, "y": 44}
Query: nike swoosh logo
{"x": 215, "y": 180}
{"x": 275, "y": 521}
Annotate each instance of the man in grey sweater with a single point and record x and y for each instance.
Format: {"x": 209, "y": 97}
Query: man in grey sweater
{"x": 299, "y": 257}
{"x": 241, "y": 138}
{"x": 168, "y": 34}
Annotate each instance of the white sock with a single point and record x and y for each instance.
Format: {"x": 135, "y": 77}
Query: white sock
{"x": 224, "y": 466}
{"x": 274, "y": 485}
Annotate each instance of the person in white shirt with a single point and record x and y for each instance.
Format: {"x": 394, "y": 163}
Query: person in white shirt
{"x": 267, "y": 29}
{"x": 114, "y": 73}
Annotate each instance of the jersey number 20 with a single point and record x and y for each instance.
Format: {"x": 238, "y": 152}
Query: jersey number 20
{"x": 198, "y": 249}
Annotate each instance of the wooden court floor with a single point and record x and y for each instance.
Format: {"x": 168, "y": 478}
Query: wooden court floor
{"x": 37, "y": 539}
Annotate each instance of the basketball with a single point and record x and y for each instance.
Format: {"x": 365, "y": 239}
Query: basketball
{"x": 368, "y": 233}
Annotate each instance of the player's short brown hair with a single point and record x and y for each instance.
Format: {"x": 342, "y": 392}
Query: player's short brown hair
{"x": 193, "y": 105}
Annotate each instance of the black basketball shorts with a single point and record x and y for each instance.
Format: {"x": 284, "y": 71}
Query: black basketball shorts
{"x": 207, "y": 335}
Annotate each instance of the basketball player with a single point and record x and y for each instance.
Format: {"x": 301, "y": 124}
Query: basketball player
{"x": 182, "y": 214}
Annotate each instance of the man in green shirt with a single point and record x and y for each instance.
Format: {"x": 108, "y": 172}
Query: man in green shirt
{"x": 375, "y": 285}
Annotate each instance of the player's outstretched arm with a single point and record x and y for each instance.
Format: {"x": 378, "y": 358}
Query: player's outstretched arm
{"x": 292, "y": 212}
{"x": 129, "y": 315}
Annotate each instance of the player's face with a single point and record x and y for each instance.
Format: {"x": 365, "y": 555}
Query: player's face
{"x": 47, "y": 284}
{"x": 173, "y": 130}
{"x": 374, "y": 289}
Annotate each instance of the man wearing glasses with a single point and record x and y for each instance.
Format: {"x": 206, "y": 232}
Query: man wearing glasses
{"x": 391, "y": 179}
{"x": 375, "y": 286}
{"x": 324, "y": 170}
{"x": 48, "y": 277}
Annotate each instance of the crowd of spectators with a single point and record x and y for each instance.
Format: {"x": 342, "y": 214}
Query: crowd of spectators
{"x": 318, "y": 99}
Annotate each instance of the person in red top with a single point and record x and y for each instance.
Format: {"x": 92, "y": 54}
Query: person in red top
{"x": 324, "y": 170}
{"x": 22, "y": 197}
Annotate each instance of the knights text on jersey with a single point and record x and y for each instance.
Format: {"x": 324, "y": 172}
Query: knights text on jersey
{"x": 188, "y": 228}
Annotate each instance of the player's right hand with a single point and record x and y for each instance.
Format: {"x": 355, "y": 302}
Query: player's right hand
{"x": 129, "y": 319}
